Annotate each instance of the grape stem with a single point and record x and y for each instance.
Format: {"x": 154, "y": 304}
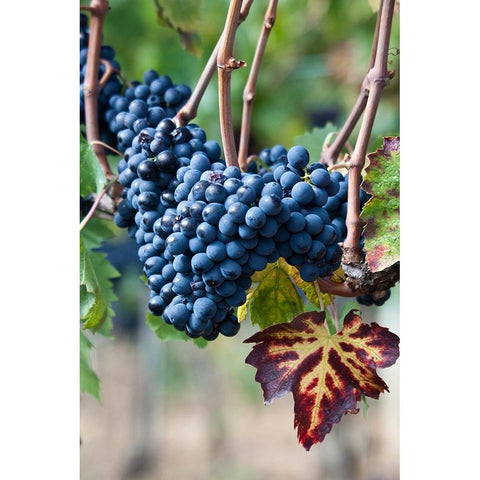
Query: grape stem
{"x": 114, "y": 150}
{"x": 345, "y": 164}
{"x": 189, "y": 111}
{"x": 226, "y": 63}
{"x": 250, "y": 87}
{"x": 333, "y": 311}
{"x": 96, "y": 203}
{"x": 109, "y": 71}
{"x": 319, "y": 295}
{"x": 378, "y": 77}
{"x": 91, "y": 86}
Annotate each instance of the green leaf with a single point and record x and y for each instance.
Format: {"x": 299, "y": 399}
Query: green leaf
{"x": 314, "y": 141}
{"x": 97, "y": 231}
{"x": 87, "y": 301}
{"x": 92, "y": 178}
{"x": 275, "y": 299}
{"x": 184, "y": 14}
{"x": 183, "y": 17}
{"x": 96, "y": 289}
{"x": 87, "y": 272}
{"x": 89, "y": 382}
{"x": 308, "y": 288}
{"x": 382, "y": 212}
{"x": 169, "y": 332}
{"x": 242, "y": 310}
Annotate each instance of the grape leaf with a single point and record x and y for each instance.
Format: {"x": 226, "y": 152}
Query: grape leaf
{"x": 169, "y": 332}
{"x": 96, "y": 288}
{"x": 96, "y": 273}
{"x": 308, "y": 288}
{"x": 382, "y": 211}
{"x": 242, "y": 310}
{"x": 183, "y": 18}
{"x": 275, "y": 299}
{"x": 314, "y": 140}
{"x": 92, "y": 178}
{"x": 98, "y": 230}
{"x": 89, "y": 382}
{"x": 327, "y": 374}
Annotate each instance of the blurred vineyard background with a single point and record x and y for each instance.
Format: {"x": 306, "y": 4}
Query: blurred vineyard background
{"x": 173, "y": 411}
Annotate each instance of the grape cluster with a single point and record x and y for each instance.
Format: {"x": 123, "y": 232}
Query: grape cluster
{"x": 185, "y": 288}
{"x": 144, "y": 105}
{"x": 306, "y": 187}
{"x": 112, "y": 87}
{"x": 204, "y": 228}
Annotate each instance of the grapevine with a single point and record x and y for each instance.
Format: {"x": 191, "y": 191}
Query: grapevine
{"x": 208, "y": 221}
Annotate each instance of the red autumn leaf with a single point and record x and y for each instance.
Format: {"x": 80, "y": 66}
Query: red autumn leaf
{"x": 327, "y": 374}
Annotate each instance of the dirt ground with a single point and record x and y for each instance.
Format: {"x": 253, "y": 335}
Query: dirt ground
{"x": 171, "y": 411}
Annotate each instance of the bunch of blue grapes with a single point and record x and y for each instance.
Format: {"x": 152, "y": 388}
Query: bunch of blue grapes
{"x": 204, "y": 228}
{"x": 112, "y": 87}
{"x": 309, "y": 240}
{"x": 144, "y": 105}
{"x": 183, "y": 286}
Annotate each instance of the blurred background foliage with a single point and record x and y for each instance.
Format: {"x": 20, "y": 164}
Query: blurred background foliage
{"x": 315, "y": 61}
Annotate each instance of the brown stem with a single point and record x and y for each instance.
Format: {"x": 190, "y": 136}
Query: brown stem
{"x": 250, "y": 87}
{"x": 91, "y": 88}
{"x": 103, "y": 144}
{"x": 189, "y": 111}
{"x": 341, "y": 289}
{"x": 225, "y": 64}
{"x": 329, "y": 155}
{"x": 94, "y": 207}
{"x": 378, "y": 77}
{"x": 339, "y": 166}
{"x": 109, "y": 71}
